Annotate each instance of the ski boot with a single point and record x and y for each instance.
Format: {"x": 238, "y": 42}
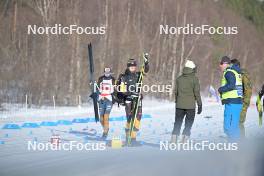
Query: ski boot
{"x": 174, "y": 139}
{"x": 185, "y": 138}
{"x": 104, "y": 136}
{"x": 126, "y": 143}
{"x": 135, "y": 143}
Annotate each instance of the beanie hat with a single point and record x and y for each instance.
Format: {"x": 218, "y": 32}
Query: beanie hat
{"x": 190, "y": 64}
{"x": 131, "y": 63}
{"x": 225, "y": 60}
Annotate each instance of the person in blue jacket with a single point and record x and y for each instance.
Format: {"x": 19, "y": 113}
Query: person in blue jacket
{"x": 231, "y": 93}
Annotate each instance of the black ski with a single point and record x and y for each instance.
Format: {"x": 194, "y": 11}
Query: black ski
{"x": 93, "y": 84}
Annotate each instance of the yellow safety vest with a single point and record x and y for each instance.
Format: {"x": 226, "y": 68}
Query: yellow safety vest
{"x": 238, "y": 91}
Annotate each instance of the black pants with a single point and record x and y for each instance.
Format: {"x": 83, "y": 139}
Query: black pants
{"x": 129, "y": 106}
{"x": 179, "y": 116}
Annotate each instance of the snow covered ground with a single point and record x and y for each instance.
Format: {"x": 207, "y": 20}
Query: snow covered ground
{"x": 16, "y": 159}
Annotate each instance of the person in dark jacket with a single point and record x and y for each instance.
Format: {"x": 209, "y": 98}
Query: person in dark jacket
{"x": 129, "y": 91}
{"x": 105, "y": 99}
{"x": 187, "y": 94}
{"x": 231, "y": 93}
{"x": 260, "y": 106}
{"x": 261, "y": 93}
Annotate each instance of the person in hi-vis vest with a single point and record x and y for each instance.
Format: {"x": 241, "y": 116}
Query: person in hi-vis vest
{"x": 231, "y": 93}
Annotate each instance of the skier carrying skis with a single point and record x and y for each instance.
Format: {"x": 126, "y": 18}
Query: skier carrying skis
{"x": 128, "y": 89}
{"x": 187, "y": 93}
{"x": 231, "y": 93}
{"x": 260, "y": 106}
{"x": 247, "y": 93}
{"x": 106, "y": 92}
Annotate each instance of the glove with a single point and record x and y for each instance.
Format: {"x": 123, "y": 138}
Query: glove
{"x": 200, "y": 109}
{"x": 219, "y": 91}
{"x": 146, "y": 58}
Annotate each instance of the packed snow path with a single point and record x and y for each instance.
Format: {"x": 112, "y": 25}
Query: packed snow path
{"x": 17, "y": 160}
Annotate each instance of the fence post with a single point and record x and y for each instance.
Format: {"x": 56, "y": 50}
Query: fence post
{"x": 26, "y": 102}
{"x": 79, "y": 101}
{"x": 54, "y": 102}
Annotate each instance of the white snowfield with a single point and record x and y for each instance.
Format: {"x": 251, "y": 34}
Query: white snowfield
{"x": 16, "y": 159}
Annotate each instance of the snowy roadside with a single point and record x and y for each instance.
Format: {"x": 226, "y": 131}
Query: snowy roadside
{"x": 147, "y": 160}
{"x": 14, "y": 114}
{"x": 158, "y": 127}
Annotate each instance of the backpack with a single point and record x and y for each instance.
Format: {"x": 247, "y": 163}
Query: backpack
{"x": 247, "y": 85}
